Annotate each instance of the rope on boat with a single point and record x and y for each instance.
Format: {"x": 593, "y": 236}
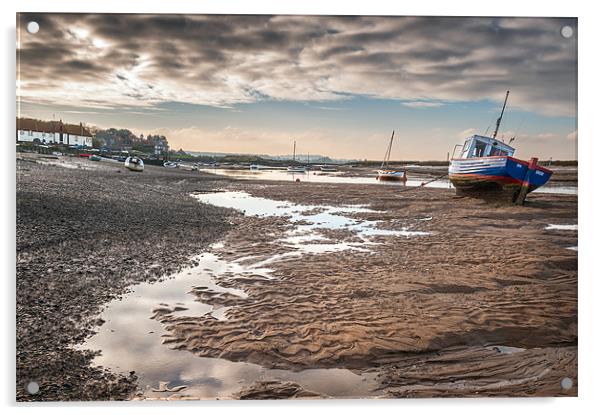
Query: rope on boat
{"x": 423, "y": 184}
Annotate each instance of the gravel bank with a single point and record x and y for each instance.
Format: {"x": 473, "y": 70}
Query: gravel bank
{"x": 84, "y": 235}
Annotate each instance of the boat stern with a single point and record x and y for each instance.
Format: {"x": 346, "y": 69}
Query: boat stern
{"x": 481, "y": 175}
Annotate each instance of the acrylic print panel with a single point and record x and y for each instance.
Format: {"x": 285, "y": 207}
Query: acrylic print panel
{"x": 267, "y": 207}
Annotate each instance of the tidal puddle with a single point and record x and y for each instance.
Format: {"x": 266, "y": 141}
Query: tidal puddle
{"x": 562, "y": 227}
{"x": 132, "y": 336}
{"x": 308, "y": 220}
{"x": 320, "y": 177}
{"x": 131, "y": 339}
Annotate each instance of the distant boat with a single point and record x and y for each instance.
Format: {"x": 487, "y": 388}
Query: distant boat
{"x": 94, "y": 157}
{"x": 387, "y": 174}
{"x": 134, "y": 163}
{"x": 308, "y": 166}
{"x": 328, "y": 169}
{"x": 487, "y": 164}
{"x": 171, "y": 165}
{"x": 293, "y": 168}
{"x": 254, "y": 167}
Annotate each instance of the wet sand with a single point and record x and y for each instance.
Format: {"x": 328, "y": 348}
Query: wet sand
{"x": 424, "y": 313}
{"x": 479, "y": 300}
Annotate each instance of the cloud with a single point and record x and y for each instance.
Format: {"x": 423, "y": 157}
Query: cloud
{"x": 545, "y": 136}
{"x": 112, "y": 60}
{"x": 422, "y": 104}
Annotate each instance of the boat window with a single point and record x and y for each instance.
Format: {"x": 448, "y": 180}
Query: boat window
{"x": 498, "y": 152}
{"x": 466, "y": 145}
{"x": 479, "y": 149}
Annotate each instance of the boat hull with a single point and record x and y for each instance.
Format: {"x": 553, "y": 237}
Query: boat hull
{"x": 391, "y": 176}
{"x": 481, "y": 174}
{"x": 134, "y": 165}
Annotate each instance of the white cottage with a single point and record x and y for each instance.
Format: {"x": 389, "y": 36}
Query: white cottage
{"x": 52, "y": 132}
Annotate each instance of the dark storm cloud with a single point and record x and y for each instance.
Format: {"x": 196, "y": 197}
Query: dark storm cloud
{"x": 222, "y": 60}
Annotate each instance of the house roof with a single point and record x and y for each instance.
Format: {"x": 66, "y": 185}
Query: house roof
{"x": 52, "y": 127}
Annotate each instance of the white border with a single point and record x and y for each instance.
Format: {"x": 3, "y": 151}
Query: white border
{"x": 589, "y": 156}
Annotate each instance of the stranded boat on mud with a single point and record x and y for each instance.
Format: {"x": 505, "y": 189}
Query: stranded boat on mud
{"x": 387, "y": 174}
{"x": 134, "y": 164}
{"x": 486, "y": 165}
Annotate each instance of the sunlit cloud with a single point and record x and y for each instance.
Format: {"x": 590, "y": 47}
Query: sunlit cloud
{"x": 572, "y": 136}
{"x": 422, "y": 104}
{"x": 222, "y": 61}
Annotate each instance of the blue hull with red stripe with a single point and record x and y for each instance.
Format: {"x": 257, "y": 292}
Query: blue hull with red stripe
{"x": 496, "y": 173}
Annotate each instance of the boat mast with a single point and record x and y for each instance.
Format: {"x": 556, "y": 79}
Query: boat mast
{"x": 390, "y": 147}
{"x": 294, "y": 150}
{"x": 499, "y": 120}
{"x": 388, "y": 153}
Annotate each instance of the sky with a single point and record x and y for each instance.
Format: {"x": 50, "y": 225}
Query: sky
{"x": 337, "y": 85}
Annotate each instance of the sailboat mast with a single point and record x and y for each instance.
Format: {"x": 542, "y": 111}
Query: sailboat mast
{"x": 294, "y": 150}
{"x": 388, "y": 153}
{"x": 499, "y": 120}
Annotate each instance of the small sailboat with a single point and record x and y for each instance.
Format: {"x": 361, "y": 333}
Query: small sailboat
{"x": 328, "y": 169}
{"x": 387, "y": 174}
{"x": 134, "y": 163}
{"x": 308, "y": 166}
{"x": 487, "y": 164}
{"x": 293, "y": 168}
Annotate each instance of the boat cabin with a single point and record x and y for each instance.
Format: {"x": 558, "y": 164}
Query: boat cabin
{"x": 481, "y": 146}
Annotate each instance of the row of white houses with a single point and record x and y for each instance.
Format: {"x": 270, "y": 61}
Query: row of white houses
{"x": 52, "y": 132}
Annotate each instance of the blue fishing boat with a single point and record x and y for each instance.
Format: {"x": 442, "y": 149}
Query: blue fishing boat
{"x": 487, "y": 164}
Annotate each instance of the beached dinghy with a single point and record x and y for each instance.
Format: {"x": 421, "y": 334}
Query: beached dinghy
{"x": 170, "y": 165}
{"x": 387, "y": 174}
{"x": 134, "y": 163}
{"x": 486, "y": 164}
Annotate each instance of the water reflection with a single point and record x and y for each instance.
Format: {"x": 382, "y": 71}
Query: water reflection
{"x": 307, "y": 218}
{"x": 338, "y": 177}
{"x": 131, "y": 340}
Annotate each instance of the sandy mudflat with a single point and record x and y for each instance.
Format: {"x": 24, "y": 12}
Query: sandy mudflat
{"x": 482, "y": 301}
{"x": 423, "y": 312}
